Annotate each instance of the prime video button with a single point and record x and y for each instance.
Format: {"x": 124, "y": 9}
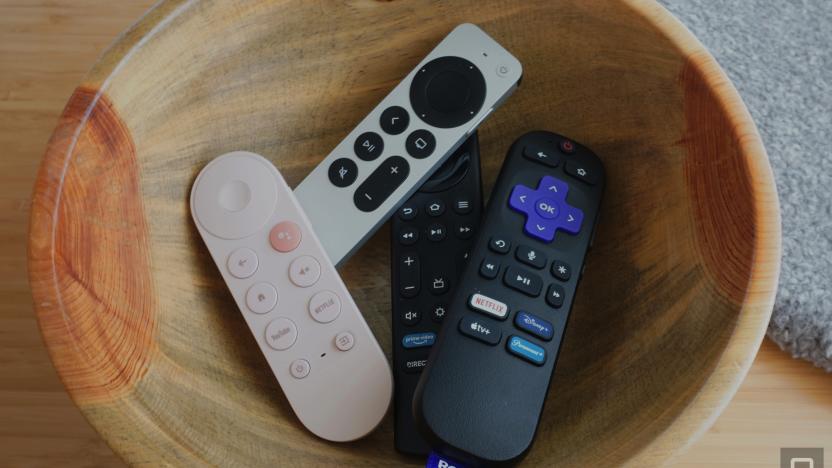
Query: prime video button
{"x": 419, "y": 340}
{"x": 526, "y": 350}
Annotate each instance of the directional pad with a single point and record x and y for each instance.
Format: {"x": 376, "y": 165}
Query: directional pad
{"x": 546, "y": 209}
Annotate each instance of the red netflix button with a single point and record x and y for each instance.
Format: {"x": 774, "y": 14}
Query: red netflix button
{"x": 488, "y": 306}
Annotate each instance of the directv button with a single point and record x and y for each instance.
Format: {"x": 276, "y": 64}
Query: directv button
{"x": 415, "y": 365}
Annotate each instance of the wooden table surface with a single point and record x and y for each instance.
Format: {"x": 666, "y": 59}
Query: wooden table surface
{"x": 45, "y": 49}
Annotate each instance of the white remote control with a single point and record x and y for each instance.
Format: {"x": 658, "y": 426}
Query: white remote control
{"x": 400, "y": 143}
{"x": 326, "y": 359}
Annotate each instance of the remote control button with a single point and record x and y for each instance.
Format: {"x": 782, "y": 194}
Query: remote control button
{"x": 343, "y": 172}
{"x": 480, "y": 329}
{"x": 485, "y": 304}
{"x": 409, "y": 275}
{"x": 419, "y": 340}
{"x": 368, "y": 146}
{"x": 394, "y": 120}
{"x": 415, "y": 365}
{"x": 541, "y": 155}
{"x": 300, "y": 368}
{"x": 411, "y": 317}
{"x": 325, "y": 306}
{"x": 281, "y": 334}
{"x": 567, "y": 147}
{"x": 408, "y": 235}
{"x": 489, "y": 268}
{"x": 261, "y": 298}
{"x": 546, "y": 208}
{"x": 464, "y": 231}
{"x": 463, "y": 206}
{"x": 235, "y": 195}
{"x": 561, "y": 270}
{"x": 344, "y": 341}
{"x": 524, "y": 281}
{"x": 438, "y": 285}
{"x": 503, "y": 70}
{"x": 381, "y": 183}
{"x": 435, "y": 208}
{"x": 436, "y": 232}
{"x": 534, "y": 325}
{"x": 407, "y": 212}
{"x": 447, "y": 92}
{"x": 304, "y": 271}
{"x": 554, "y": 296}
{"x": 420, "y": 144}
{"x": 285, "y": 236}
{"x": 438, "y": 313}
{"x": 581, "y": 172}
{"x": 531, "y": 256}
{"x": 571, "y": 220}
{"x": 499, "y": 245}
{"x": 242, "y": 263}
{"x": 526, "y": 350}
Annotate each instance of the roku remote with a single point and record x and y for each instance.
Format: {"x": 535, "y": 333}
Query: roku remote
{"x": 319, "y": 347}
{"x": 431, "y": 237}
{"x": 480, "y": 398}
{"x": 400, "y": 143}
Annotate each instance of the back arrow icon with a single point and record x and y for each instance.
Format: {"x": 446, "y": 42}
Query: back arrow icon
{"x": 541, "y": 154}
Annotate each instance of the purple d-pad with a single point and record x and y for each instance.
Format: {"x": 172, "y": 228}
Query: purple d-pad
{"x": 546, "y": 209}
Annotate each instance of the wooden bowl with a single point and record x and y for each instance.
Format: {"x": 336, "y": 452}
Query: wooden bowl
{"x": 678, "y": 288}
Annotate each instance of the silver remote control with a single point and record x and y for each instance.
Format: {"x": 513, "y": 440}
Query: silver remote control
{"x": 400, "y": 143}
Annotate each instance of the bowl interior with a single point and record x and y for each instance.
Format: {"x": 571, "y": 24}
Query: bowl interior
{"x": 182, "y": 380}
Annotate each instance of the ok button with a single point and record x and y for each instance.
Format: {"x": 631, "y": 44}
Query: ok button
{"x": 546, "y": 208}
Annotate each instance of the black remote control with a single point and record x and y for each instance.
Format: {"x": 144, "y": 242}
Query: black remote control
{"x": 480, "y": 398}
{"x": 432, "y": 235}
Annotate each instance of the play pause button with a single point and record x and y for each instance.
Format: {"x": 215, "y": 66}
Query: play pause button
{"x": 523, "y": 281}
{"x": 436, "y": 232}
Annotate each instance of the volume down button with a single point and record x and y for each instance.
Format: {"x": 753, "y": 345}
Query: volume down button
{"x": 381, "y": 183}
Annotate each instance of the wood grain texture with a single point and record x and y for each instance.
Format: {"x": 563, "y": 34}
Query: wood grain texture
{"x": 206, "y": 396}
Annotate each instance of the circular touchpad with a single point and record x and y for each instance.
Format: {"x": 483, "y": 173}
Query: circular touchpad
{"x": 447, "y": 92}
{"x": 235, "y": 196}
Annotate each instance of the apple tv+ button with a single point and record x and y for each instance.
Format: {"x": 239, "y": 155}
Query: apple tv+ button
{"x": 480, "y": 329}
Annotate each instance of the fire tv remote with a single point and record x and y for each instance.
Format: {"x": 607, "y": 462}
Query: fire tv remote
{"x": 400, "y": 143}
{"x": 319, "y": 347}
{"x": 480, "y": 398}
{"x": 432, "y": 235}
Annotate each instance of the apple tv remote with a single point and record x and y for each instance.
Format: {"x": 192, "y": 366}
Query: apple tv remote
{"x": 480, "y": 397}
{"x": 431, "y": 236}
{"x": 400, "y": 143}
{"x": 320, "y": 349}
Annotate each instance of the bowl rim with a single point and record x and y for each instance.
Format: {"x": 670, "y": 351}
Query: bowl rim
{"x": 740, "y": 350}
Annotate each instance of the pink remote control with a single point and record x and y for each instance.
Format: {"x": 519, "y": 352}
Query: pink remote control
{"x": 325, "y": 358}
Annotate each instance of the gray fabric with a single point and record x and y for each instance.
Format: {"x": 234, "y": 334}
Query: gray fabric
{"x": 779, "y": 56}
